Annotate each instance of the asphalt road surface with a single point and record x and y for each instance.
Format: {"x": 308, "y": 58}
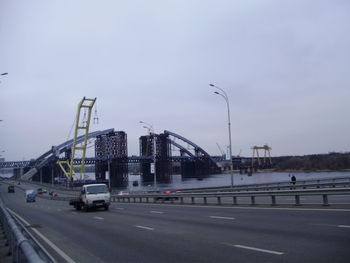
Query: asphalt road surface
{"x": 175, "y": 233}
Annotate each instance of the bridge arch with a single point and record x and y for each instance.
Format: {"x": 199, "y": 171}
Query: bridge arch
{"x": 205, "y": 163}
{"x": 198, "y": 150}
{"x": 50, "y": 155}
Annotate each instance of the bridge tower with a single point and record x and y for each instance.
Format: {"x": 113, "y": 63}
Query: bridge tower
{"x": 111, "y": 152}
{"x": 163, "y": 155}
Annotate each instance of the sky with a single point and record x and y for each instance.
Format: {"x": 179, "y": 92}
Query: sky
{"x": 284, "y": 64}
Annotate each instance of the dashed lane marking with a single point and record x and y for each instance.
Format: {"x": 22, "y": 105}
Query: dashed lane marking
{"x": 145, "y": 227}
{"x": 120, "y": 208}
{"x": 222, "y": 217}
{"x": 344, "y": 226}
{"x": 98, "y": 218}
{"x": 156, "y": 212}
{"x": 52, "y": 245}
{"x": 255, "y": 249}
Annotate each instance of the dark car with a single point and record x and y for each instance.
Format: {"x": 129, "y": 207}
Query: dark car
{"x": 53, "y": 194}
{"x": 11, "y": 189}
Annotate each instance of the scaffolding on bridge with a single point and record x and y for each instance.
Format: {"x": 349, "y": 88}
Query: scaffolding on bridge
{"x": 87, "y": 105}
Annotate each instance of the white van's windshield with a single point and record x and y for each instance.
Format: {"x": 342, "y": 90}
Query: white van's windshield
{"x": 96, "y": 189}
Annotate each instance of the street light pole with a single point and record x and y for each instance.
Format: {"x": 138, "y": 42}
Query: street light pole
{"x": 224, "y": 95}
{"x": 109, "y": 173}
{"x": 151, "y": 129}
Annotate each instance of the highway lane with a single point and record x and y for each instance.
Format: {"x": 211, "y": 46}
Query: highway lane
{"x": 163, "y": 233}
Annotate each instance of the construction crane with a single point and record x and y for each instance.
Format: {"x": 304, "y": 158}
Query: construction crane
{"x": 86, "y": 105}
{"x": 266, "y": 159}
{"x": 221, "y": 151}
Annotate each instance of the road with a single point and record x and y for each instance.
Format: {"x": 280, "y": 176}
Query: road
{"x": 175, "y": 233}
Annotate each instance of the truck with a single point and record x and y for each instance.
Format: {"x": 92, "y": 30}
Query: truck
{"x": 92, "y": 196}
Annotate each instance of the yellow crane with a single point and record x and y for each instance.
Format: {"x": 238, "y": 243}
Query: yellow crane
{"x": 84, "y": 104}
{"x": 266, "y": 149}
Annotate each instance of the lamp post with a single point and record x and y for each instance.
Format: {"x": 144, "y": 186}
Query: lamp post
{"x": 109, "y": 172}
{"x": 223, "y": 94}
{"x": 151, "y": 130}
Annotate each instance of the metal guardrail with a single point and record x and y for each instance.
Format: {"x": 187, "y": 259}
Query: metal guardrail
{"x": 190, "y": 198}
{"x": 21, "y": 246}
{"x": 327, "y": 182}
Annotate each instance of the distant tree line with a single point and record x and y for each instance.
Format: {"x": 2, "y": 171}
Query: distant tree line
{"x": 331, "y": 161}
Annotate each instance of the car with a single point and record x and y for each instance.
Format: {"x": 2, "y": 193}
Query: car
{"x": 10, "y": 189}
{"x": 168, "y": 192}
{"x": 121, "y": 193}
{"x": 53, "y": 194}
{"x": 41, "y": 191}
{"x": 30, "y": 195}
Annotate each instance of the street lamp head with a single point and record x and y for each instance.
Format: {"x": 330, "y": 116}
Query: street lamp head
{"x": 211, "y": 85}
{"x": 216, "y": 92}
{"x": 3, "y": 74}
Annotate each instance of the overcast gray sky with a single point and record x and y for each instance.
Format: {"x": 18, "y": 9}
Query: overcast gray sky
{"x": 285, "y": 65}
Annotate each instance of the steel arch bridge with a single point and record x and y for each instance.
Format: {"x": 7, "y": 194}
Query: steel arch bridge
{"x": 189, "y": 154}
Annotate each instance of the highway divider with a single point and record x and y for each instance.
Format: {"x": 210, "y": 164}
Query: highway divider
{"x": 203, "y": 198}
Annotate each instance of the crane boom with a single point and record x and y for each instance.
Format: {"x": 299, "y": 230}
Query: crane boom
{"x": 221, "y": 151}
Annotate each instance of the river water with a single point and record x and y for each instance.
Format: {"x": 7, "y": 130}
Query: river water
{"x": 214, "y": 180}
{"x": 177, "y": 182}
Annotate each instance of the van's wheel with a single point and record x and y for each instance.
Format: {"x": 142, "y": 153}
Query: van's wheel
{"x": 86, "y": 208}
{"x": 106, "y": 207}
{"x": 78, "y": 207}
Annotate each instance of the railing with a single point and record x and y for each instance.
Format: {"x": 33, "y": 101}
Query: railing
{"x": 22, "y": 247}
{"x": 232, "y": 197}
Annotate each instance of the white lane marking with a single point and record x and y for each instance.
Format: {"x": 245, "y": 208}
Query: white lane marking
{"x": 145, "y": 227}
{"x": 344, "y": 226}
{"x": 52, "y": 245}
{"x": 256, "y": 249}
{"x": 222, "y": 217}
{"x": 330, "y": 225}
{"x": 156, "y": 212}
{"x": 98, "y": 218}
{"x": 119, "y": 208}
